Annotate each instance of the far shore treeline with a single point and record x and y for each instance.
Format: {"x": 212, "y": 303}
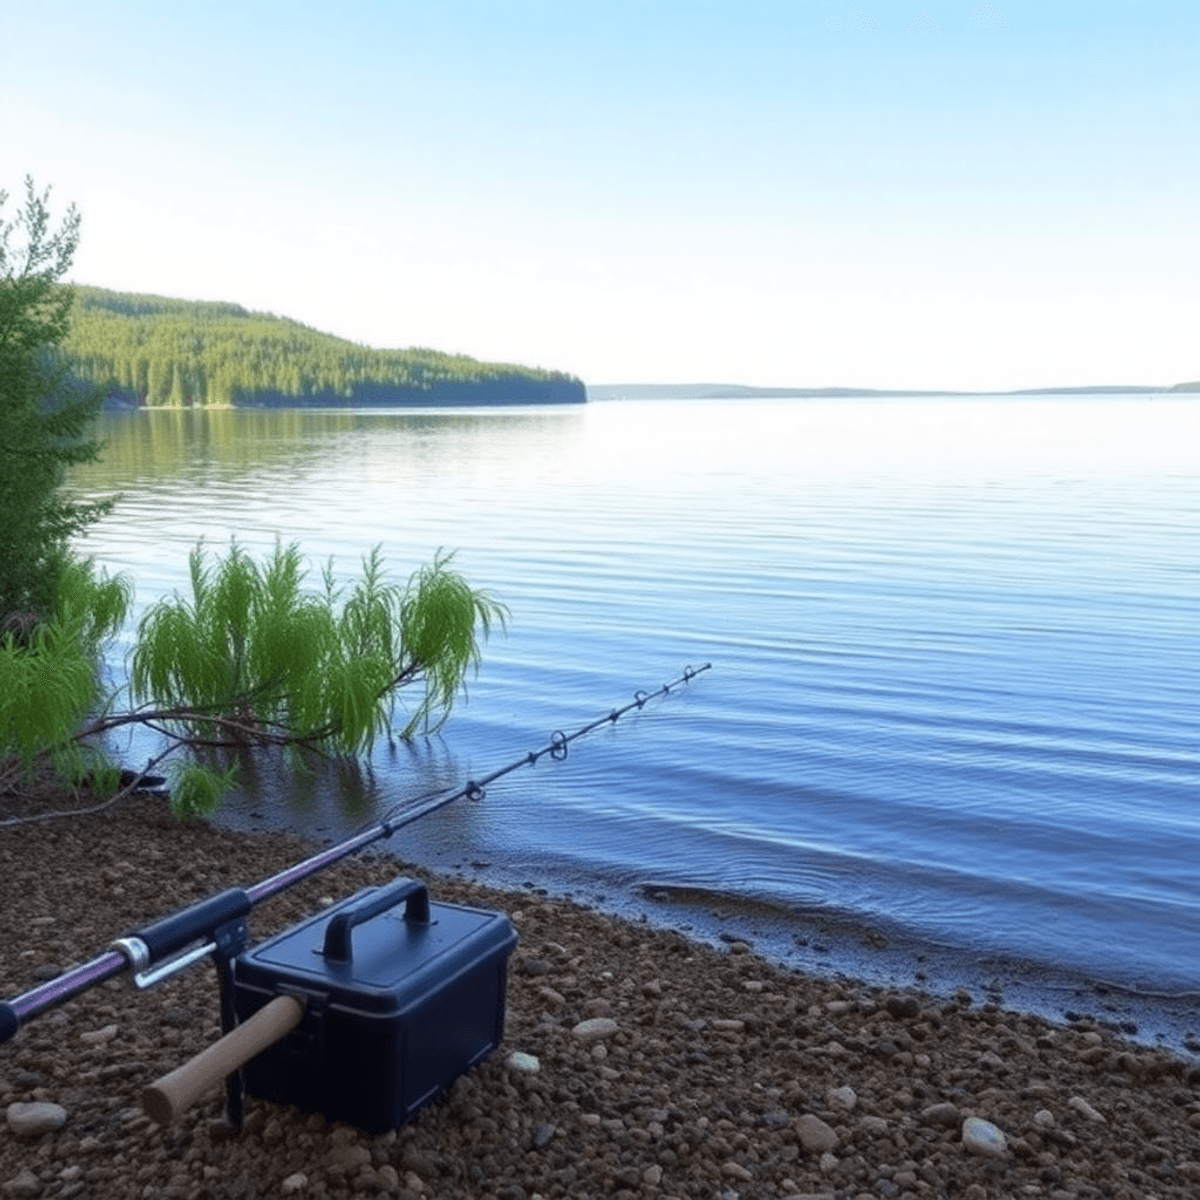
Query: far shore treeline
{"x": 155, "y": 352}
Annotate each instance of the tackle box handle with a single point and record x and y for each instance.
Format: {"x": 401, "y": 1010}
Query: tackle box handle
{"x": 337, "y": 933}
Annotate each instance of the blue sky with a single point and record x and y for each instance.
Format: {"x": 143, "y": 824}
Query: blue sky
{"x": 884, "y": 194}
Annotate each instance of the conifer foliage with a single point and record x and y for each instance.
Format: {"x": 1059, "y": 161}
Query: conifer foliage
{"x": 157, "y": 352}
{"x": 45, "y": 413}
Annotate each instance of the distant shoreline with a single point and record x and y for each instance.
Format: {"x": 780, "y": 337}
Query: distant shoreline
{"x": 732, "y": 391}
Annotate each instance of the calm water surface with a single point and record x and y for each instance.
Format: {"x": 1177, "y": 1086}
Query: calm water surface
{"x": 955, "y": 647}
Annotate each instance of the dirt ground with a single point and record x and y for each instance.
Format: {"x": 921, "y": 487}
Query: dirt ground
{"x": 715, "y": 1075}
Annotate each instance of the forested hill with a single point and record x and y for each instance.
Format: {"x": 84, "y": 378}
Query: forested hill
{"x": 158, "y": 352}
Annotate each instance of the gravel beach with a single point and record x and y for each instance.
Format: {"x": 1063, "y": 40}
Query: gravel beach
{"x": 636, "y": 1063}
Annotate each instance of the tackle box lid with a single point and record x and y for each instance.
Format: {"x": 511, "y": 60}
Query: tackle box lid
{"x": 381, "y": 950}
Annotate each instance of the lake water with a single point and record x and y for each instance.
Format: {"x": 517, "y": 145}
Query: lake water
{"x": 955, "y": 642}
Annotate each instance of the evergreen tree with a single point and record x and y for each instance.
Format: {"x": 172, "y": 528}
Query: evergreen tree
{"x": 45, "y": 412}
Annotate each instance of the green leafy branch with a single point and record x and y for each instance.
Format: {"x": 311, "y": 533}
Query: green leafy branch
{"x": 247, "y": 658}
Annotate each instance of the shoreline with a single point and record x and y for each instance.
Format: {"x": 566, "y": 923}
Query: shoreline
{"x": 825, "y": 943}
{"x": 726, "y": 1074}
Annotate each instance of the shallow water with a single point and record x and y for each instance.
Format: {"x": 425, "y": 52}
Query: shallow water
{"x": 955, "y": 648}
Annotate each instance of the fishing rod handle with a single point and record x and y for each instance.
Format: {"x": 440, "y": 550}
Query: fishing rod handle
{"x": 166, "y": 1098}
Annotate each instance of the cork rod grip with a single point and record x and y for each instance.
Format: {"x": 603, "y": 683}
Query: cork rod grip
{"x": 166, "y": 1098}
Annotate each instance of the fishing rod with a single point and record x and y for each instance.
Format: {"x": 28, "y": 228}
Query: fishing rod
{"x": 217, "y": 923}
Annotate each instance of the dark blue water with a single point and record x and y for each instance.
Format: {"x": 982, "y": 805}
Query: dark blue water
{"x": 955, "y": 690}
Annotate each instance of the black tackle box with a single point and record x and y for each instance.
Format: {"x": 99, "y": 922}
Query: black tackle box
{"x": 401, "y": 997}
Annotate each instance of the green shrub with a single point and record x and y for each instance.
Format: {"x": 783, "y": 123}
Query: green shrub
{"x": 49, "y": 682}
{"x": 249, "y": 657}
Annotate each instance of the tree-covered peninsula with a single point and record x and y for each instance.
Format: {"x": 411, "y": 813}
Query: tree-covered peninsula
{"x": 156, "y": 352}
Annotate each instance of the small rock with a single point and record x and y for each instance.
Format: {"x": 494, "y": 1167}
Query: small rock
{"x": 903, "y": 1007}
{"x": 97, "y": 1037}
{"x": 1044, "y": 1118}
{"x": 542, "y": 1135}
{"x": 843, "y": 1097}
{"x": 413, "y": 1159}
{"x": 1081, "y": 1106}
{"x": 652, "y": 1176}
{"x": 24, "y": 1183}
{"x": 518, "y": 1060}
{"x": 31, "y": 1120}
{"x": 983, "y": 1138}
{"x": 733, "y": 1170}
{"x": 596, "y": 1027}
{"x": 728, "y": 1025}
{"x": 350, "y": 1158}
{"x": 294, "y": 1183}
{"x": 815, "y": 1136}
{"x": 941, "y": 1114}
{"x": 876, "y": 1126}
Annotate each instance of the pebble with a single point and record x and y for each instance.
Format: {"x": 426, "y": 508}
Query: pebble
{"x": 296, "y": 1182}
{"x": 815, "y": 1136}
{"x": 518, "y": 1060}
{"x": 97, "y": 1037}
{"x": 903, "y": 1007}
{"x": 33, "y": 1119}
{"x": 350, "y": 1158}
{"x": 1081, "y": 1106}
{"x": 843, "y": 1097}
{"x": 595, "y": 1027}
{"x": 24, "y": 1183}
{"x": 941, "y": 1114}
{"x": 983, "y": 1138}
